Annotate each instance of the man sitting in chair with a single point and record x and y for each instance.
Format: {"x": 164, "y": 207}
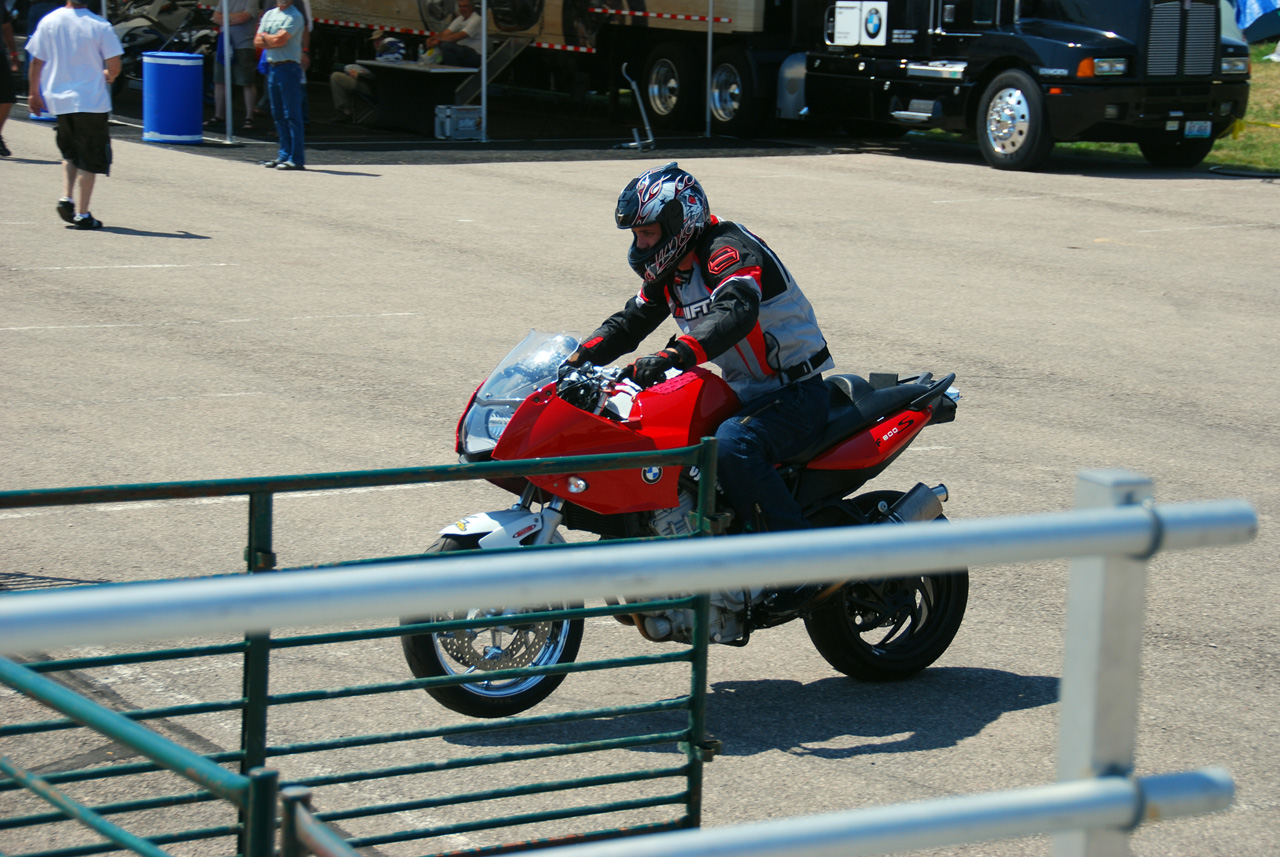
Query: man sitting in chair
{"x": 357, "y": 81}
{"x": 460, "y": 43}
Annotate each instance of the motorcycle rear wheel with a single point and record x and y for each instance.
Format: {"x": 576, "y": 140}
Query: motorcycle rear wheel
{"x": 485, "y": 649}
{"x": 880, "y": 630}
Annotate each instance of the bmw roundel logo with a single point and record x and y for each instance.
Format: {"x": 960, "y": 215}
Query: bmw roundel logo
{"x": 651, "y": 474}
{"x": 874, "y": 22}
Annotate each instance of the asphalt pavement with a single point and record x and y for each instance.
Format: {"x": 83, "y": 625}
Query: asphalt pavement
{"x": 231, "y": 321}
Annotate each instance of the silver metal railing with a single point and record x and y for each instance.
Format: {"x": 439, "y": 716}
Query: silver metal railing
{"x": 1111, "y": 534}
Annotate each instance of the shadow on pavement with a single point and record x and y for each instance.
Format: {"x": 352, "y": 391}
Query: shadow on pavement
{"x": 833, "y": 718}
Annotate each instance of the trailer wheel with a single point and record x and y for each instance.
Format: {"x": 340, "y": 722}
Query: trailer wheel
{"x": 1178, "y": 153}
{"x": 671, "y": 86}
{"x": 735, "y": 101}
{"x": 1013, "y": 128}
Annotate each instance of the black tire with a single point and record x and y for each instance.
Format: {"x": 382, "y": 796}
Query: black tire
{"x": 893, "y": 628}
{"x": 735, "y": 99}
{"x": 1176, "y": 153}
{"x": 671, "y": 87}
{"x": 1012, "y": 125}
{"x": 453, "y": 654}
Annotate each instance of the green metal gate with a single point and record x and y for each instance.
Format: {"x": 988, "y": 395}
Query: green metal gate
{"x": 520, "y": 781}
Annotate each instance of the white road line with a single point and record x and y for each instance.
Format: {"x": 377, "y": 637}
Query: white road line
{"x": 202, "y": 501}
{"x": 1191, "y": 228}
{"x": 217, "y": 321}
{"x": 114, "y": 267}
{"x": 1062, "y": 196}
{"x": 136, "y": 399}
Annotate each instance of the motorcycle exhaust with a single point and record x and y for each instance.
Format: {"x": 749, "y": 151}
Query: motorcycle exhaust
{"x": 921, "y": 503}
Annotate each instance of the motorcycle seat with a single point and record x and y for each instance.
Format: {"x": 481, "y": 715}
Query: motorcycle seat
{"x": 855, "y": 407}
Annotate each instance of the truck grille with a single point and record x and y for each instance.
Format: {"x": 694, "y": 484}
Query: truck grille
{"x": 1183, "y": 38}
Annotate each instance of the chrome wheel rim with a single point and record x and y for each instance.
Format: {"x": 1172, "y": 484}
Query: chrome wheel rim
{"x": 1008, "y": 121}
{"x": 664, "y": 87}
{"x": 510, "y": 646}
{"x": 726, "y": 93}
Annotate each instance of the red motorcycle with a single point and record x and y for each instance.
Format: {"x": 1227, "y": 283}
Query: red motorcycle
{"x": 871, "y": 630}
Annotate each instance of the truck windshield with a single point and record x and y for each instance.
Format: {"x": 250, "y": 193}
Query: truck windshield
{"x": 1096, "y": 14}
{"x": 1107, "y": 14}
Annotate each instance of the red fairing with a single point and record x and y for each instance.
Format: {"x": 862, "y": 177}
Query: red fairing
{"x": 876, "y": 445}
{"x": 682, "y": 411}
{"x": 672, "y": 414}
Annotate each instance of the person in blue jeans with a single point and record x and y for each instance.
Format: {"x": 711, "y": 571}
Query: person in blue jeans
{"x": 737, "y": 306}
{"x": 280, "y": 36}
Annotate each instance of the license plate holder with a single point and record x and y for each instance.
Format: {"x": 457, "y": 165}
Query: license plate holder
{"x": 1198, "y": 128}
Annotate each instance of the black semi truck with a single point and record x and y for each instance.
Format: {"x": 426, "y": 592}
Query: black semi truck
{"x": 1020, "y": 75}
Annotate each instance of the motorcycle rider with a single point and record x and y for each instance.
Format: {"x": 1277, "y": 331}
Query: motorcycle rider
{"x": 737, "y": 306}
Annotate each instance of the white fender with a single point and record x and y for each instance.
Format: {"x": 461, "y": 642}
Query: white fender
{"x": 501, "y": 529}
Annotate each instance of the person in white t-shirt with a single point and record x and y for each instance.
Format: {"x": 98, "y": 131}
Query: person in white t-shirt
{"x": 460, "y": 43}
{"x": 75, "y": 56}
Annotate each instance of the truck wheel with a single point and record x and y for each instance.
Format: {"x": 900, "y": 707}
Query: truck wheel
{"x": 670, "y": 86}
{"x": 1178, "y": 153}
{"x": 1013, "y": 130}
{"x": 735, "y": 104}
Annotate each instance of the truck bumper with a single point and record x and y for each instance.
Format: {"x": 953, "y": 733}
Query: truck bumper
{"x": 1126, "y": 114}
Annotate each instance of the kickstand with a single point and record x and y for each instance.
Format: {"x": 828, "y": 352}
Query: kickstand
{"x": 638, "y": 144}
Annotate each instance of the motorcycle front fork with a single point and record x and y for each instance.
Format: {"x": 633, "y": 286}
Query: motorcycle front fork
{"x": 552, "y": 514}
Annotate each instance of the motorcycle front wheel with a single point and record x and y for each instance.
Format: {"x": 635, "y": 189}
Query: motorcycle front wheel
{"x": 475, "y": 652}
{"x": 878, "y": 630}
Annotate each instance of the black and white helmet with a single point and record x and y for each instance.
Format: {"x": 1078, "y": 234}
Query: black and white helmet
{"x": 671, "y": 198}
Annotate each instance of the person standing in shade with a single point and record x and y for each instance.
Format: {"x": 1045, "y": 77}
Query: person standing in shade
{"x": 81, "y": 55}
{"x": 243, "y": 16}
{"x": 280, "y": 36}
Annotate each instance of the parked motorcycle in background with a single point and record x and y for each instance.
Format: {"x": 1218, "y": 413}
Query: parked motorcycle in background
{"x": 868, "y": 629}
{"x": 161, "y": 25}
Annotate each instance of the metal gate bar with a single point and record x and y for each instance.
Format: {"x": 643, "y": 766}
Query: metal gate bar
{"x": 256, "y": 702}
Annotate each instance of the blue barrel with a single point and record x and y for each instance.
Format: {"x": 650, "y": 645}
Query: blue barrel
{"x": 172, "y": 106}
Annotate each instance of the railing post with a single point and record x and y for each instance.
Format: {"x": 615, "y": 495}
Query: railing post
{"x": 259, "y": 837}
{"x": 697, "y": 748}
{"x": 257, "y": 654}
{"x": 707, "y": 451}
{"x": 291, "y": 798}
{"x": 1098, "y": 713}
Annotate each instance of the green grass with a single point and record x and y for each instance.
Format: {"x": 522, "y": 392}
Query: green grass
{"x": 1255, "y": 147}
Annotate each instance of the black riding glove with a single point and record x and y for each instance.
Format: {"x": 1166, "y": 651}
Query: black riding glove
{"x": 651, "y": 370}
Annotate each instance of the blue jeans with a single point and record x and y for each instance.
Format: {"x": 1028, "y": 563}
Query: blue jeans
{"x": 452, "y": 53}
{"x": 766, "y": 431}
{"x": 284, "y": 84}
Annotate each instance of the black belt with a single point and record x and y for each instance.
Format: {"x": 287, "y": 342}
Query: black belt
{"x": 795, "y": 373}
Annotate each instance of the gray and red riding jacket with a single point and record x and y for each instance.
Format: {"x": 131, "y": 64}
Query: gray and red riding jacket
{"x": 738, "y": 307}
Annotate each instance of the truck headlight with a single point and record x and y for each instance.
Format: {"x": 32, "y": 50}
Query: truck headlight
{"x": 1235, "y": 65}
{"x": 1113, "y": 65}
